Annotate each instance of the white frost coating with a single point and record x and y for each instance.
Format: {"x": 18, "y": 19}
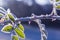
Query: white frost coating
{"x": 42, "y": 29}
{"x": 4, "y": 31}
{"x": 2, "y": 9}
{"x": 8, "y": 11}
{"x": 3, "y": 28}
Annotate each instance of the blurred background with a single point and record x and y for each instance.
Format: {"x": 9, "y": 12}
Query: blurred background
{"x": 24, "y": 8}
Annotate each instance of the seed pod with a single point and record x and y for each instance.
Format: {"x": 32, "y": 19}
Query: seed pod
{"x": 7, "y": 28}
{"x": 11, "y": 17}
{"x": 20, "y": 26}
{"x": 20, "y": 33}
{"x": 15, "y": 37}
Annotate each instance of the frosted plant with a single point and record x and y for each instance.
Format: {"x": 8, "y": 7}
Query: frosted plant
{"x": 16, "y": 29}
{"x": 42, "y": 29}
{"x": 56, "y": 4}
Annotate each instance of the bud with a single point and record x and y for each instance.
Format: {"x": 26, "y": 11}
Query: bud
{"x": 20, "y": 33}
{"x": 20, "y": 26}
{"x": 15, "y": 37}
{"x": 11, "y": 17}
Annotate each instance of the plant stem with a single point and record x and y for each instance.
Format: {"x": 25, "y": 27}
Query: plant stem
{"x": 42, "y": 29}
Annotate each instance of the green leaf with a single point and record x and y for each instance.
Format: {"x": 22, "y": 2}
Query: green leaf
{"x": 57, "y": 0}
{"x": 20, "y": 33}
{"x": 1, "y": 14}
{"x": 20, "y": 26}
{"x": 7, "y": 28}
{"x": 15, "y": 37}
{"x": 11, "y": 17}
{"x": 58, "y": 6}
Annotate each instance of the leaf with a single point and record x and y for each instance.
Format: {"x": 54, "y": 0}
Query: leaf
{"x": 19, "y": 33}
{"x": 58, "y": 6}
{"x": 1, "y": 14}
{"x": 15, "y": 37}
{"x": 11, "y": 17}
{"x": 7, "y": 28}
{"x": 57, "y": 0}
{"x": 20, "y": 26}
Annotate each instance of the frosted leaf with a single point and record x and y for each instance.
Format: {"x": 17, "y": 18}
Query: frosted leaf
{"x": 7, "y": 28}
{"x": 15, "y": 37}
{"x": 20, "y": 26}
{"x": 20, "y": 33}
